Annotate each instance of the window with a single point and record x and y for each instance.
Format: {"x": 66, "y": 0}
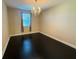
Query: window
{"x": 26, "y": 22}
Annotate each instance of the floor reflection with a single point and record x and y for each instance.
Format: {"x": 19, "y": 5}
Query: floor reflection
{"x": 27, "y": 48}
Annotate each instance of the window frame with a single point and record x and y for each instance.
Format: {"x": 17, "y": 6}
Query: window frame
{"x": 22, "y": 27}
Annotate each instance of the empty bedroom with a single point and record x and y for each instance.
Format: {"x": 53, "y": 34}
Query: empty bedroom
{"x": 38, "y": 29}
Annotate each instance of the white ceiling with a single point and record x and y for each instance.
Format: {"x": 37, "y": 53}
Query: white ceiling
{"x": 27, "y": 4}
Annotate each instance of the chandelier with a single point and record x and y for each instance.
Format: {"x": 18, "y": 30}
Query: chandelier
{"x": 36, "y": 9}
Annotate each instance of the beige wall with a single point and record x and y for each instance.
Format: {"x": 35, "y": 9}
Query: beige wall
{"x": 14, "y": 18}
{"x": 60, "y": 21}
{"x": 14, "y": 21}
{"x": 35, "y": 23}
{"x": 5, "y": 33}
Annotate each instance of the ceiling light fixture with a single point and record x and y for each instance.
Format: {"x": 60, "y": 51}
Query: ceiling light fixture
{"x": 36, "y": 9}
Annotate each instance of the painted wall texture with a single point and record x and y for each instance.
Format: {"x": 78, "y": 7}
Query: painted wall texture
{"x": 5, "y": 32}
{"x": 60, "y": 21}
{"x": 14, "y": 21}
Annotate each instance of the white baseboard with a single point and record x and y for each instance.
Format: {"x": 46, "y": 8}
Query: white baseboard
{"x": 69, "y": 44}
{"x": 4, "y": 49}
{"x": 24, "y": 33}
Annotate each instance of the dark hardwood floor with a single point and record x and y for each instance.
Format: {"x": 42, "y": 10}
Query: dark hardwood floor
{"x": 37, "y": 46}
